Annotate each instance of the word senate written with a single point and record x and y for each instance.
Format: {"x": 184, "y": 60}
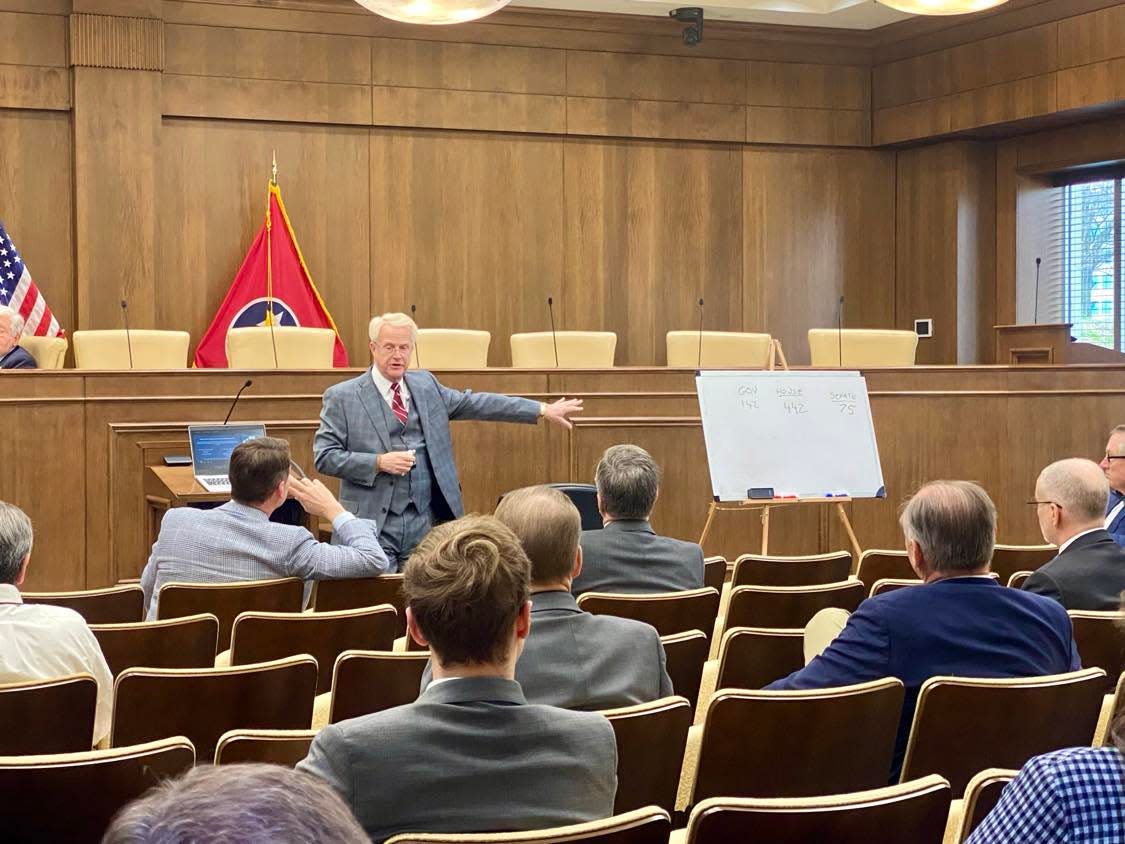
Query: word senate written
{"x": 844, "y": 401}
{"x": 793, "y": 399}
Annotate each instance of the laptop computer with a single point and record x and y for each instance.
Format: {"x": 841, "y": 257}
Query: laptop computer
{"x": 211, "y": 446}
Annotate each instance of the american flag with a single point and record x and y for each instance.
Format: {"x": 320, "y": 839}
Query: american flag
{"x": 19, "y": 292}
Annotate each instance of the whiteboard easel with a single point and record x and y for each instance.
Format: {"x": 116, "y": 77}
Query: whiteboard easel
{"x": 765, "y": 505}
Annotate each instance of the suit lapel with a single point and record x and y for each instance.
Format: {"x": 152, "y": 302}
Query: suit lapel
{"x": 417, "y": 387}
{"x": 1115, "y": 525}
{"x": 370, "y": 399}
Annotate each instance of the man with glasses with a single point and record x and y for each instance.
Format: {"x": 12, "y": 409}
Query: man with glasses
{"x": 1113, "y": 464}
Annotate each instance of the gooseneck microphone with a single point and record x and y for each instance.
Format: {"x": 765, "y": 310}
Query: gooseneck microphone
{"x": 237, "y": 396}
{"x": 417, "y": 348}
{"x": 699, "y": 357}
{"x": 1035, "y": 315}
{"x": 554, "y": 336}
{"x": 840, "y": 332}
{"x": 128, "y": 335}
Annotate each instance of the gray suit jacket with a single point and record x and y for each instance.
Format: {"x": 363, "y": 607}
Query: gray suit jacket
{"x": 577, "y": 660}
{"x": 1088, "y": 575}
{"x": 353, "y": 433}
{"x": 629, "y": 557}
{"x": 470, "y": 755}
{"x": 236, "y": 542}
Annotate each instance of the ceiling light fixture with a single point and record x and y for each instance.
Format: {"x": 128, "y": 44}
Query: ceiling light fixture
{"x": 433, "y": 12}
{"x": 942, "y": 7}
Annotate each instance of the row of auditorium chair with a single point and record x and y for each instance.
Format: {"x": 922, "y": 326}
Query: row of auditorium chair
{"x": 288, "y": 347}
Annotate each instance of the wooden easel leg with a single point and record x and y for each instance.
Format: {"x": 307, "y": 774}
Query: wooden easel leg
{"x": 781, "y": 354}
{"x": 707, "y": 524}
{"x": 856, "y": 550}
{"x": 771, "y": 361}
{"x": 765, "y": 530}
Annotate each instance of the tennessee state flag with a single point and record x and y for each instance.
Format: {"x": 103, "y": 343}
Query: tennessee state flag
{"x": 273, "y": 287}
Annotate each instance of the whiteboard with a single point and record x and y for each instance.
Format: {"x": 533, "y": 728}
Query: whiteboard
{"x": 802, "y": 433}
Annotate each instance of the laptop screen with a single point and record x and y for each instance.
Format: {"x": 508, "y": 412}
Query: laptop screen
{"x": 211, "y": 445}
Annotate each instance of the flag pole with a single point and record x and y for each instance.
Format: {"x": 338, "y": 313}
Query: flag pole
{"x": 269, "y": 257}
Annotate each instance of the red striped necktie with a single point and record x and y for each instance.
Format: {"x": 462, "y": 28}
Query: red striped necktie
{"x": 397, "y": 404}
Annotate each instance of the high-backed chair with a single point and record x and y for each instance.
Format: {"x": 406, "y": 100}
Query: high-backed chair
{"x": 585, "y": 498}
{"x": 963, "y": 725}
{"x": 1100, "y": 643}
{"x": 227, "y": 600}
{"x": 48, "y": 716}
{"x": 862, "y": 347}
{"x": 715, "y": 572}
{"x": 878, "y": 564}
{"x": 1008, "y": 559}
{"x": 354, "y": 593}
{"x": 262, "y": 636}
{"x": 451, "y": 348}
{"x": 150, "y": 349}
{"x": 890, "y": 584}
{"x": 1018, "y": 578}
{"x": 650, "y": 750}
{"x": 811, "y": 570}
{"x": 275, "y": 747}
{"x": 789, "y": 606}
{"x": 753, "y": 657}
{"x": 649, "y": 825}
{"x": 282, "y": 347}
{"x": 371, "y": 681}
{"x": 119, "y": 604}
{"x": 668, "y": 612}
{"x": 49, "y": 352}
{"x": 204, "y": 703}
{"x": 981, "y": 796}
{"x": 915, "y": 810}
{"x": 685, "y": 653}
{"x": 188, "y": 642}
{"x": 74, "y": 796}
{"x": 576, "y": 349}
{"x": 718, "y": 349}
{"x": 1113, "y": 705}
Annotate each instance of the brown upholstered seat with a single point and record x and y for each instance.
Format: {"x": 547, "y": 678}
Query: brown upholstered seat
{"x": 204, "y": 703}
{"x": 642, "y": 826}
{"x": 877, "y": 564}
{"x": 890, "y": 584}
{"x": 789, "y": 606}
{"x": 187, "y": 642}
{"x": 48, "y": 716}
{"x": 1100, "y": 643}
{"x": 262, "y": 636}
{"x": 353, "y": 593}
{"x": 1017, "y": 579}
{"x": 812, "y": 570}
{"x": 753, "y": 657}
{"x": 668, "y": 612}
{"x": 715, "y": 572}
{"x": 686, "y": 653}
{"x": 915, "y": 811}
{"x": 981, "y": 796}
{"x": 119, "y": 604}
{"x": 650, "y": 750}
{"x": 1008, "y": 559}
{"x": 371, "y": 681}
{"x": 74, "y": 796}
{"x": 963, "y": 725}
{"x": 276, "y": 747}
{"x": 227, "y": 600}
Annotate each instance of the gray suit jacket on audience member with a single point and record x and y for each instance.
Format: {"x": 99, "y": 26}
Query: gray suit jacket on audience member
{"x": 577, "y": 660}
{"x": 628, "y": 556}
{"x": 1088, "y": 575}
{"x": 470, "y": 755}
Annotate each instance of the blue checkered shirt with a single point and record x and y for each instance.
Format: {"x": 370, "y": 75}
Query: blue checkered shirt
{"x": 1075, "y": 795}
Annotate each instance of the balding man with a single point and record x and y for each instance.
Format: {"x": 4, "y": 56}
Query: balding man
{"x": 1113, "y": 464}
{"x": 12, "y": 354}
{"x": 961, "y": 622}
{"x": 1089, "y": 571}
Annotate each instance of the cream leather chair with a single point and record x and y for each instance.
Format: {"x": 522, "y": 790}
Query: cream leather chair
{"x": 577, "y": 349}
{"x": 862, "y": 347}
{"x": 297, "y": 348}
{"x": 151, "y": 349}
{"x": 49, "y": 352}
{"x": 720, "y": 349}
{"x": 451, "y": 348}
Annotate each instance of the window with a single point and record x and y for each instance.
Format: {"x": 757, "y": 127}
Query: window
{"x": 1092, "y": 229}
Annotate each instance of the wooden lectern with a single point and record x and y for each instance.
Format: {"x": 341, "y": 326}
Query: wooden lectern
{"x": 1047, "y": 344}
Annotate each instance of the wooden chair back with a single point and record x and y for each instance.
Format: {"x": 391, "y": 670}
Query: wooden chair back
{"x": 981, "y": 796}
{"x": 226, "y": 601}
{"x": 890, "y": 584}
{"x": 1017, "y": 579}
{"x": 798, "y": 743}
{"x": 916, "y": 811}
{"x": 686, "y": 653}
{"x": 202, "y": 704}
{"x": 356, "y": 592}
{"x": 643, "y": 826}
{"x": 1008, "y": 559}
{"x": 371, "y": 681}
{"x": 753, "y": 657}
{"x": 811, "y": 570}
{"x": 274, "y": 747}
{"x": 963, "y": 725}
{"x": 715, "y": 573}
{"x": 879, "y": 563}
{"x": 668, "y": 612}
{"x": 188, "y": 642}
{"x": 650, "y": 749}
{"x": 74, "y": 796}
{"x": 262, "y": 636}
{"x": 119, "y": 604}
{"x": 48, "y": 716}
{"x": 1100, "y": 643}
{"x": 789, "y": 607}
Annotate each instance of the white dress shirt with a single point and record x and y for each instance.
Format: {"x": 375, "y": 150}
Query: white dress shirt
{"x": 1066, "y": 544}
{"x": 383, "y": 385}
{"x": 40, "y": 642}
{"x": 1114, "y": 513}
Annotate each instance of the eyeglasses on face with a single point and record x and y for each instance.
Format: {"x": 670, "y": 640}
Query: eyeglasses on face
{"x": 1037, "y": 503}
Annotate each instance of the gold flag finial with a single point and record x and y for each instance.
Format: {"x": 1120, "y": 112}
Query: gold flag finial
{"x": 273, "y": 171}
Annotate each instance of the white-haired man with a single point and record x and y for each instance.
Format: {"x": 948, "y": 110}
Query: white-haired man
{"x": 386, "y": 436}
{"x": 12, "y": 354}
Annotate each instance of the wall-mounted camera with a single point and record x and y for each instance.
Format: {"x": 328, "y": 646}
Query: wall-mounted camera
{"x": 692, "y": 15}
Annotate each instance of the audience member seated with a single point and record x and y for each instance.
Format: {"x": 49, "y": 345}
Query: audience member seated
{"x": 250, "y": 804}
{"x": 960, "y": 622}
{"x": 627, "y": 555}
{"x": 1113, "y": 464}
{"x": 571, "y": 658}
{"x": 12, "y": 354}
{"x": 1089, "y": 571}
{"x": 40, "y": 642}
{"x": 237, "y": 541}
{"x": 471, "y": 754}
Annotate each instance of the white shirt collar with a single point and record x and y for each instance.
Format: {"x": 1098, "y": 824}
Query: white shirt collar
{"x": 10, "y": 594}
{"x": 1113, "y": 514}
{"x": 1066, "y": 544}
{"x": 383, "y": 385}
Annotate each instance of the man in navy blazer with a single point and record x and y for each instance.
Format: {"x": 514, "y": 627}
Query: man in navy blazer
{"x": 1113, "y": 464}
{"x": 12, "y": 354}
{"x": 960, "y": 622}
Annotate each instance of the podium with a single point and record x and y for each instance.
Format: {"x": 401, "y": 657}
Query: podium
{"x": 1047, "y": 344}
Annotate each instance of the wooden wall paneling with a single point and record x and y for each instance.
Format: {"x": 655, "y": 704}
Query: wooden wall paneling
{"x": 808, "y": 85}
{"x": 34, "y": 87}
{"x": 213, "y": 181}
{"x": 912, "y": 121}
{"x": 649, "y": 229}
{"x": 1005, "y": 58}
{"x": 819, "y": 126}
{"x": 36, "y": 40}
{"x": 1006, "y": 102}
{"x": 1092, "y": 85}
{"x": 1096, "y": 36}
{"x": 1007, "y": 266}
{"x": 474, "y": 110}
{"x": 1072, "y": 146}
{"x": 976, "y": 255}
{"x": 467, "y": 226}
{"x": 122, "y": 8}
{"x": 925, "y": 77}
{"x": 265, "y": 99}
{"x": 651, "y": 119}
{"x": 631, "y": 76}
{"x": 408, "y": 63}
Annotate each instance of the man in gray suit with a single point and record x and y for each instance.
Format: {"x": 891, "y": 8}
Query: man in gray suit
{"x": 574, "y": 659}
{"x": 471, "y": 754}
{"x": 386, "y": 436}
{"x": 237, "y": 541}
{"x": 626, "y": 555}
